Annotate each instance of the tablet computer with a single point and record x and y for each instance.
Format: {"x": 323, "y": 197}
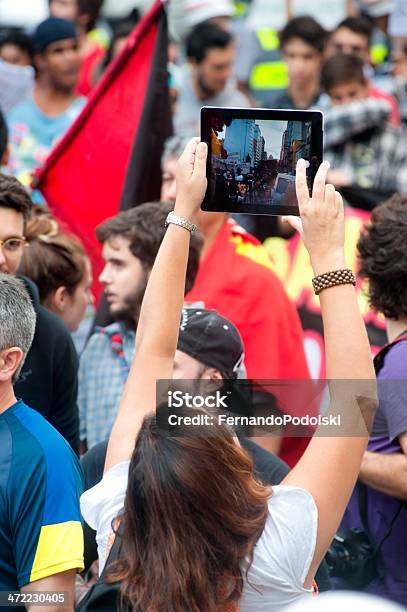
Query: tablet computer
{"x": 253, "y": 155}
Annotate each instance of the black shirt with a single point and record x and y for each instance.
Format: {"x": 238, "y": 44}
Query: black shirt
{"x": 49, "y": 378}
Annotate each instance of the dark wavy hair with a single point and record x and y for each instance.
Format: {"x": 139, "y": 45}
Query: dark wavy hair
{"x": 382, "y": 250}
{"x": 15, "y": 196}
{"x": 144, "y": 227}
{"x": 193, "y": 512}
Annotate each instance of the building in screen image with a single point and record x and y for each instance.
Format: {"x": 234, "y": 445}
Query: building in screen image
{"x": 255, "y": 160}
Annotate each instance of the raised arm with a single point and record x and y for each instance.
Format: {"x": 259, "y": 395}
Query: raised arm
{"x": 157, "y": 331}
{"x": 289, "y": 10}
{"x": 330, "y": 465}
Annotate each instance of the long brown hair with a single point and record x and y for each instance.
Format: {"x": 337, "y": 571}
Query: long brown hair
{"x": 193, "y": 511}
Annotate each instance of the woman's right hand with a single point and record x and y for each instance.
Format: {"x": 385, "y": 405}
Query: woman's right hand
{"x": 191, "y": 179}
{"x": 322, "y": 222}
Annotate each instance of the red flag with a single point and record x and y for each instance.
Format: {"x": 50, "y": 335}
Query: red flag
{"x": 116, "y": 141}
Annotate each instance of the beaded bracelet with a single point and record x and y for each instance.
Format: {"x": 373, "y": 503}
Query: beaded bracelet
{"x": 331, "y": 279}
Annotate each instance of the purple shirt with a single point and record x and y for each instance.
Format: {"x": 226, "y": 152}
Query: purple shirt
{"x": 390, "y": 422}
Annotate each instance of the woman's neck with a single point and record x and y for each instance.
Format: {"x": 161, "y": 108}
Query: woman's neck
{"x": 395, "y": 328}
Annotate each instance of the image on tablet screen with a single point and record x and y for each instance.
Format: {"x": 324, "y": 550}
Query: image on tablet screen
{"x": 254, "y": 160}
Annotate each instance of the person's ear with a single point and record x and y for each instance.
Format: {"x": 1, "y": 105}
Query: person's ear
{"x": 59, "y": 300}
{"x": 214, "y": 374}
{"x": 10, "y": 360}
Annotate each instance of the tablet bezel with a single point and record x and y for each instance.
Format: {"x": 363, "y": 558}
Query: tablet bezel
{"x": 316, "y": 118}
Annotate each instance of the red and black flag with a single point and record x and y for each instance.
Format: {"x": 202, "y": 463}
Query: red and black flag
{"x": 110, "y": 157}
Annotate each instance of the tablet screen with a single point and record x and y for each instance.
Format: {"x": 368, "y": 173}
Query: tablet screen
{"x": 252, "y": 157}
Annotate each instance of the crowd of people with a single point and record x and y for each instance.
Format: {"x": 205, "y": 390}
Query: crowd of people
{"x": 100, "y": 501}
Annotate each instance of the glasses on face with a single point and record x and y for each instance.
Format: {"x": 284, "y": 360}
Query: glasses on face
{"x": 12, "y": 245}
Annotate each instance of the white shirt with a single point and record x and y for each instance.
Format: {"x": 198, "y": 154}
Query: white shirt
{"x": 282, "y": 555}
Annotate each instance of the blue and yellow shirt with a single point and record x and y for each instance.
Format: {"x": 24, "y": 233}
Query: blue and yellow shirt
{"x": 40, "y": 486}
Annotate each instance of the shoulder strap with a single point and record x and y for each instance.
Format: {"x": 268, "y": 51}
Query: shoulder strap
{"x": 362, "y": 502}
{"x": 114, "y": 555}
{"x": 379, "y": 358}
{"x": 104, "y": 596}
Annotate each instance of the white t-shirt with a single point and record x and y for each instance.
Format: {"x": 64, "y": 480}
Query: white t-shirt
{"x": 282, "y": 555}
{"x": 102, "y": 504}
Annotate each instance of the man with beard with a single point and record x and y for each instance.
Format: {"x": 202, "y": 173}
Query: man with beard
{"x": 207, "y": 78}
{"x": 130, "y": 242}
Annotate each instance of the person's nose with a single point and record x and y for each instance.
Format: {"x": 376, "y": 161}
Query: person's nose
{"x": 103, "y": 276}
{"x": 71, "y": 55}
{"x": 300, "y": 64}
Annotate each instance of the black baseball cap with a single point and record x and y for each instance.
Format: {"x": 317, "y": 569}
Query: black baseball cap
{"x": 52, "y": 30}
{"x": 211, "y": 339}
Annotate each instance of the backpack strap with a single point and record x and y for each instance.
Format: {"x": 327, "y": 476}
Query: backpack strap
{"x": 104, "y": 596}
{"x": 114, "y": 555}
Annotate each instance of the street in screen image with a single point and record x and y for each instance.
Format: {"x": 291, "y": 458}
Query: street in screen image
{"x": 255, "y": 160}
